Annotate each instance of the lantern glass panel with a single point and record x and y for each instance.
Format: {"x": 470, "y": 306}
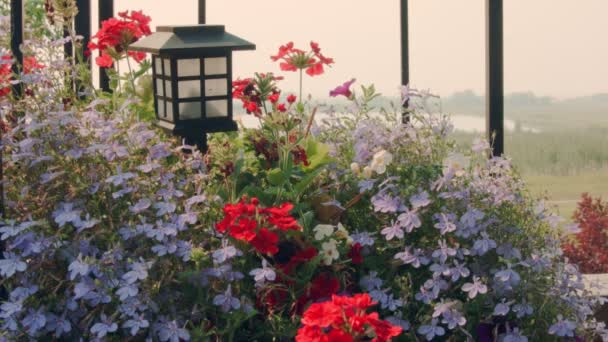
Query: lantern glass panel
{"x": 188, "y": 67}
{"x": 216, "y": 108}
{"x": 158, "y": 66}
{"x": 216, "y": 87}
{"x": 169, "y": 111}
{"x": 189, "y": 110}
{"x": 215, "y": 66}
{"x": 168, "y": 89}
{"x": 167, "y": 66}
{"x": 159, "y": 87}
{"x": 189, "y": 89}
{"x": 161, "y": 109}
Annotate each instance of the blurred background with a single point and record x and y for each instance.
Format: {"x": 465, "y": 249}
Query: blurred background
{"x": 556, "y": 105}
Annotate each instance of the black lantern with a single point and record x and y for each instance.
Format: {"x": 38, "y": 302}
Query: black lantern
{"x": 192, "y": 79}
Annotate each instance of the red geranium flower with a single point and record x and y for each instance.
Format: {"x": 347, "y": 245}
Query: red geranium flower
{"x": 242, "y": 222}
{"x": 345, "y": 319}
{"x": 293, "y": 59}
{"x": 291, "y": 98}
{"x": 116, "y": 34}
{"x": 355, "y": 254}
{"x": 104, "y": 61}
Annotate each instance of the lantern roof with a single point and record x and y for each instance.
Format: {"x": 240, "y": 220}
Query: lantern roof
{"x": 196, "y": 38}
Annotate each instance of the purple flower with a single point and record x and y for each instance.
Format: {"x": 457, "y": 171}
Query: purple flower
{"x": 139, "y": 271}
{"x": 127, "y": 291}
{"x": 420, "y": 200}
{"x": 370, "y": 282}
{"x": 226, "y": 301}
{"x": 474, "y": 288}
{"x": 392, "y": 232}
{"x": 502, "y": 309}
{"x": 66, "y": 214}
{"x": 11, "y": 264}
{"x": 226, "y": 252}
{"x": 136, "y": 324}
{"x": 444, "y": 251}
{"x": 101, "y": 329}
{"x": 483, "y": 245}
{"x": 140, "y": 206}
{"x": 432, "y": 330}
{"x": 563, "y": 327}
{"x": 444, "y": 225}
{"x": 343, "y": 90}
{"x": 453, "y": 318}
{"x": 171, "y": 332}
{"x": 263, "y": 274}
{"x": 409, "y": 220}
{"x": 415, "y": 259}
{"x": 385, "y": 203}
{"x": 363, "y": 238}
{"x": 34, "y": 322}
{"x": 78, "y": 268}
{"x": 513, "y": 336}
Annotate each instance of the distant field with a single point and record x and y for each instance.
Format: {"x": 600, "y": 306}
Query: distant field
{"x": 565, "y": 191}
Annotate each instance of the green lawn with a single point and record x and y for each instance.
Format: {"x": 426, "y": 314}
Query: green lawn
{"x": 565, "y": 191}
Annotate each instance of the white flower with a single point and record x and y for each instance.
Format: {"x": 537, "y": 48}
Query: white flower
{"x": 329, "y": 252}
{"x": 322, "y": 231}
{"x": 342, "y": 233}
{"x": 354, "y": 167}
{"x": 367, "y": 172}
{"x": 455, "y": 162}
{"x": 380, "y": 161}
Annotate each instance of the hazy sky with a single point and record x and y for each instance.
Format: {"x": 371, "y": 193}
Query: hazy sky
{"x": 552, "y": 47}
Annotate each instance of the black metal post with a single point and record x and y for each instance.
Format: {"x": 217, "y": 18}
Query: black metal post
{"x": 405, "y": 55}
{"x": 17, "y": 11}
{"x": 83, "y": 21}
{"x": 202, "y": 12}
{"x": 494, "y": 75}
{"x": 82, "y": 24}
{"x": 106, "y": 11}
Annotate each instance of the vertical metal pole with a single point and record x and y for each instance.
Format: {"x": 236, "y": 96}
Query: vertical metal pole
{"x": 106, "y": 11}
{"x": 202, "y": 11}
{"x": 83, "y": 21}
{"x": 17, "y": 11}
{"x": 405, "y": 55}
{"x": 83, "y": 28}
{"x": 494, "y": 75}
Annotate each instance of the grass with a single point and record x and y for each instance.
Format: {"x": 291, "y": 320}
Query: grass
{"x": 564, "y": 191}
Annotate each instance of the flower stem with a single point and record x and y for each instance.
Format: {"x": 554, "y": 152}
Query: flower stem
{"x": 300, "y": 98}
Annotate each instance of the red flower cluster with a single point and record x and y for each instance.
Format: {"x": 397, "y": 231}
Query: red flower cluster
{"x": 5, "y": 75}
{"x": 116, "y": 34}
{"x": 293, "y": 59}
{"x": 253, "y": 92}
{"x": 590, "y": 249}
{"x": 247, "y": 221}
{"x": 344, "y": 319}
{"x": 30, "y": 65}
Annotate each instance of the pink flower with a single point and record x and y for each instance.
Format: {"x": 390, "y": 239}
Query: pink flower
{"x": 344, "y": 89}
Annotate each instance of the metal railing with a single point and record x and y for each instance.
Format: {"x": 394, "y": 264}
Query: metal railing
{"x": 494, "y": 53}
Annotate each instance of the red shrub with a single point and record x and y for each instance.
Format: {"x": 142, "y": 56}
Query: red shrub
{"x": 590, "y": 248}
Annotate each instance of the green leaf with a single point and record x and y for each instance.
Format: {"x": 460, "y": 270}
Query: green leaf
{"x": 276, "y": 177}
{"x": 302, "y": 185}
{"x": 317, "y": 153}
